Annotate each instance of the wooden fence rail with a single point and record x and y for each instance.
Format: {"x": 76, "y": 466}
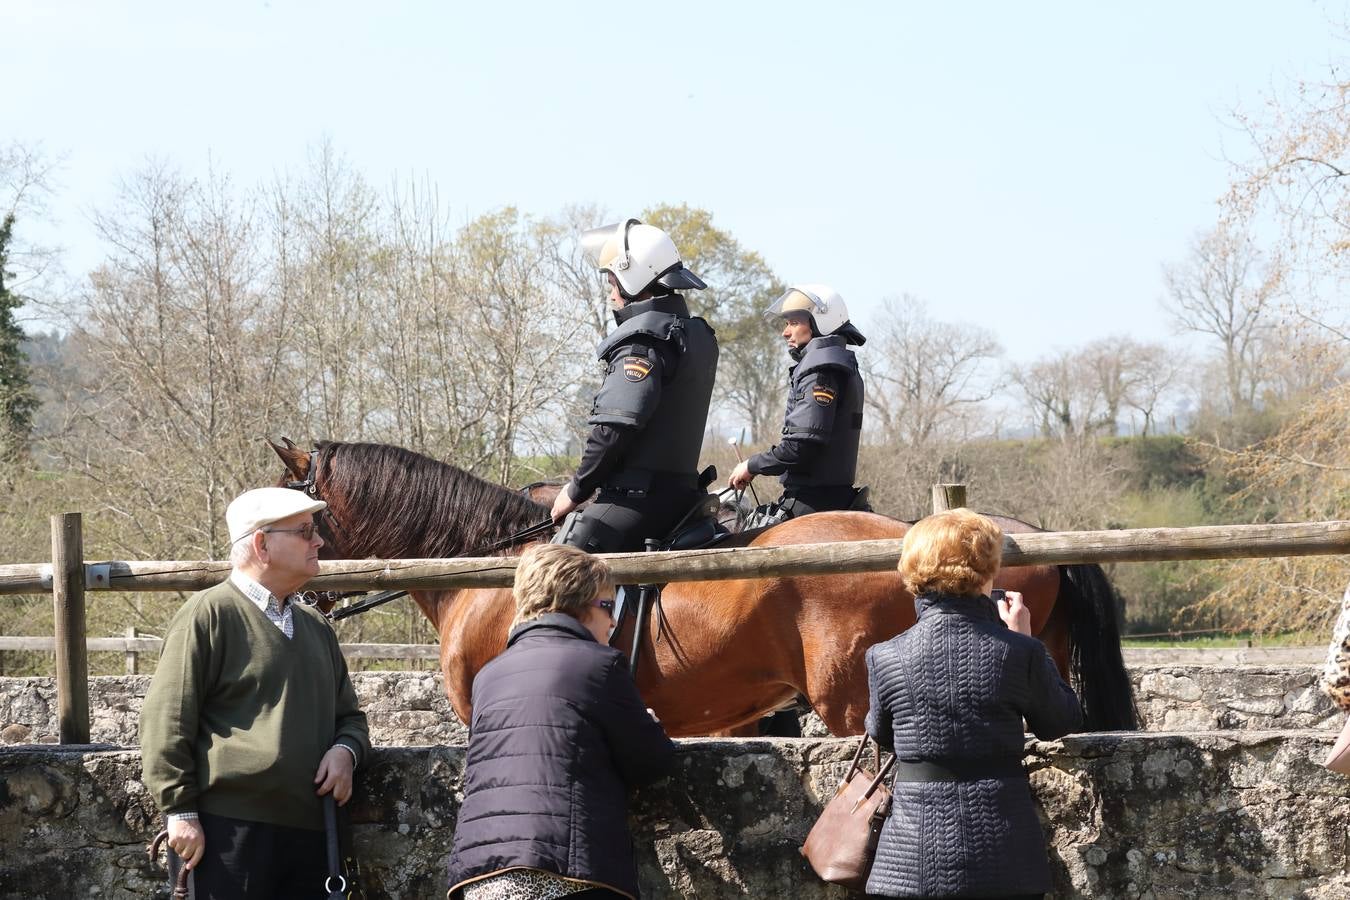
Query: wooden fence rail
{"x": 138, "y": 645}
{"x": 713, "y": 564}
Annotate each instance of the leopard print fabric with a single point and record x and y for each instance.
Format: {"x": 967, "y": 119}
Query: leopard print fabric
{"x": 1336, "y": 672}
{"x": 522, "y": 884}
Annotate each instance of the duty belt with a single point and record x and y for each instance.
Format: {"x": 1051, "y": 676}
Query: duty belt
{"x": 953, "y": 769}
{"x": 644, "y": 481}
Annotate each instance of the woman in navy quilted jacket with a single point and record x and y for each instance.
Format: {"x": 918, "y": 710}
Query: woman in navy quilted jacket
{"x": 949, "y": 696}
{"x": 559, "y": 736}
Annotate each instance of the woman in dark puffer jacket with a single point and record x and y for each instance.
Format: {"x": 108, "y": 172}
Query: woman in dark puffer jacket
{"x": 950, "y": 695}
{"x": 559, "y": 735}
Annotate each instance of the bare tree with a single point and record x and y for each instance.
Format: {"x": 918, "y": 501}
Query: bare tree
{"x": 422, "y": 401}
{"x": 1227, "y": 290}
{"x": 1297, "y": 168}
{"x": 1156, "y": 371}
{"x": 27, "y": 182}
{"x": 178, "y": 360}
{"x": 326, "y": 232}
{"x": 1062, "y": 395}
{"x": 522, "y": 340}
{"x": 927, "y": 379}
{"x": 1123, "y": 373}
{"x": 576, "y": 275}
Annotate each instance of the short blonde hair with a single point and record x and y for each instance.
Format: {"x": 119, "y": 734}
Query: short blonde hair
{"x": 557, "y": 578}
{"x": 953, "y": 552}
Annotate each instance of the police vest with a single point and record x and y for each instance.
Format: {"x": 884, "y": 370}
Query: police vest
{"x": 670, "y": 441}
{"x": 837, "y": 463}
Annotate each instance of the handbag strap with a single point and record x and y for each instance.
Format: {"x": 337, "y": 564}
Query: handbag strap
{"x": 874, "y": 783}
{"x": 857, "y": 758}
{"x": 882, "y": 769}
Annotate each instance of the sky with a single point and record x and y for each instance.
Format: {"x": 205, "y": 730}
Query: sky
{"x": 1024, "y": 167}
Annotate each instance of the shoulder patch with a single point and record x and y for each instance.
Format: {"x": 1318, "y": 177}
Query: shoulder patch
{"x": 823, "y": 396}
{"x": 636, "y": 368}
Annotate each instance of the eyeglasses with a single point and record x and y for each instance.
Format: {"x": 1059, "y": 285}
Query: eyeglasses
{"x": 305, "y": 531}
{"x": 607, "y": 606}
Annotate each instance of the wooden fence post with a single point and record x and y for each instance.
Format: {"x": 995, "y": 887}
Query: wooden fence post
{"x": 72, "y": 659}
{"x": 132, "y": 655}
{"x": 948, "y": 496}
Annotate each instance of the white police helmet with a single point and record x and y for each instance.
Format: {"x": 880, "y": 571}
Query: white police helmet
{"x": 823, "y": 304}
{"x": 638, "y": 256}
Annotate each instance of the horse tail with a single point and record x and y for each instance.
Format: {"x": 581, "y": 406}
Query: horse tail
{"x": 1095, "y": 661}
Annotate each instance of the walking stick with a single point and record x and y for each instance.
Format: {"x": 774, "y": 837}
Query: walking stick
{"x": 180, "y": 888}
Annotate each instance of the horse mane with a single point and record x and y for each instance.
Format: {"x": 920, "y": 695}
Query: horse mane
{"x": 393, "y": 503}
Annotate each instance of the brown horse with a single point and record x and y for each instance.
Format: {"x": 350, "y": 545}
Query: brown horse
{"x": 723, "y": 653}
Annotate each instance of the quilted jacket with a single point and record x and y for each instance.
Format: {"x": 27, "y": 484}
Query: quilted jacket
{"x": 954, "y": 690}
{"x": 559, "y": 735}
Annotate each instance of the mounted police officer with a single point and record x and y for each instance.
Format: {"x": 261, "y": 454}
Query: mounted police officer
{"x": 650, "y": 411}
{"x": 817, "y": 457}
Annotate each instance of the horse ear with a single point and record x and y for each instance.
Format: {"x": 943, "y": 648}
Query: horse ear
{"x": 295, "y": 459}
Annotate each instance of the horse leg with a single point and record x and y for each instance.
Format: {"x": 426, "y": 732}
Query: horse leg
{"x": 836, "y": 681}
{"x": 841, "y": 699}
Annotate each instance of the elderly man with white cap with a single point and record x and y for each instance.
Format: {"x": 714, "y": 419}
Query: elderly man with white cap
{"x": 251, "y": 717}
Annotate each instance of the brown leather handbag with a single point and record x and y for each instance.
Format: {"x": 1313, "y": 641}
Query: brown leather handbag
{"x": 843, "y": 841}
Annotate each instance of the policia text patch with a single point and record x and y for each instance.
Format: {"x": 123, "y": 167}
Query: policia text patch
{"x": 636, "y": 368}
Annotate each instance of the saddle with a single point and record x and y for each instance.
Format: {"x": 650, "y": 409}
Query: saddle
{"x": 785, "y": 508}
{"x": 698, "y": 527}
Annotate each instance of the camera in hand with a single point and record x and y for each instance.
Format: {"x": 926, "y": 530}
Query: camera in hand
{"x": 998, "y": 595}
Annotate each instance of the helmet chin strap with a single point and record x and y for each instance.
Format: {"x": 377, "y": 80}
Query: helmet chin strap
{"x": 624, "y": 259}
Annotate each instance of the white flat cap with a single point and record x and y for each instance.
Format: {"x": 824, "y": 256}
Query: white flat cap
{"x": 253, "y": 509}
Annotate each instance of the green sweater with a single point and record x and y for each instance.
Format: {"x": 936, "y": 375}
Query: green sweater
{"x": 238, "y": 716}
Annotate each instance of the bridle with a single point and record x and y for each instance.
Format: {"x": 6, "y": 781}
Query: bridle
{"x": 309, "y": 486}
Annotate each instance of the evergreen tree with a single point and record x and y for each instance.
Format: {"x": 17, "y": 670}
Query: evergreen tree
{"x": 18, "y": 403}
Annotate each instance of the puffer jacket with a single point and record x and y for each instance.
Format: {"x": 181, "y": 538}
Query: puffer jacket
{"x": 559, "y": 735}
{"x": 952, "y": 693}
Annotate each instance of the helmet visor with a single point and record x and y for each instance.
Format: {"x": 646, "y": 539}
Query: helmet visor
{"x": 607, "y": 246}
{"x": 796, "y": 299}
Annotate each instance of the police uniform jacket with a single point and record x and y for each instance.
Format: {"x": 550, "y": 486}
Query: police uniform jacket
{"x": 649, "y": 414}
{"x": 823, "y": 423}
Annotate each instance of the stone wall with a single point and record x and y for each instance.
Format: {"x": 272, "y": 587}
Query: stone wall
{"x": 1203, "y": 698}
{"x": 1177, "y": 815}
{"x": 410, "y": 709}
{"x": 404, "y": 709}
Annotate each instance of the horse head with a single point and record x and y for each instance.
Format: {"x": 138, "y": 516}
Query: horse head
{"x": 297, "y": 462}
{"x": 302, "y": 469}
